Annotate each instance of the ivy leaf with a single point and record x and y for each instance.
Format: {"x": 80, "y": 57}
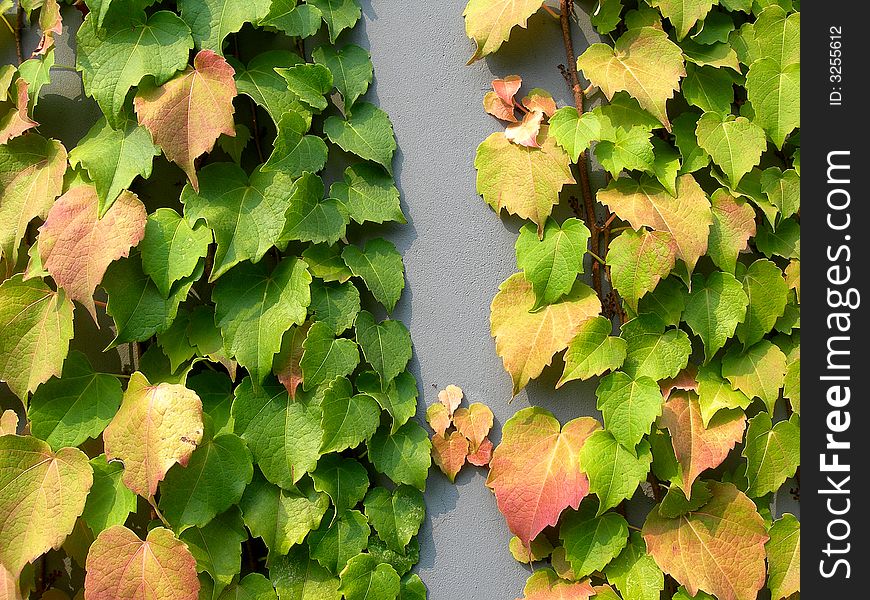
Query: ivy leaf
{"x": 109, "y": 501}
{"x": 720, "y": 56}
{"x": 16, "y": 121}
{"x": 664, "y": 304}
{"x": 715, "y": 393}
{"x": 733, "y": 226}
{"x": 380, "y": 267}
{"x": 551, "y": 264}
{"x": 344, "y": 480}
{"x": 175, "y": 413}
{"x": 300, "y": 21}
{"x": 119, "y": 53}
{"x": 693, "y": 156}
{"x": 309, "y": 82}
{"x": 629, "y": 149}
{"x": 727, "y": 538}
{"x": 716, "y": 306}
{"x": 614, "y": 472}
{"x": 784, "y": 557}
{"x": 113, "y": 158}
{"x": 639, "y": 260}
{"x": 785, "y": 241}
{"x": 32, "y": 479}
{"x": 591, "y": 541}
{"x": 525, "y": 181}
{"x": 545, "y": 584}
{"x": 643, "y": 62}
{"x": 607, "y": 15}
{"x": 697, "y": 447}
{"x": 217, "y": 546}
{"x": 527, "y": 341}
{"x": 449, "y": 452}
{"x": 211, "y": 21}
{"x": 629, "y": 406}
{"x": 336, "y": 304}
{"x": 635, "y": 573}
{"x": 260, "y": 82}
{"x": 37, "y": 325}
{"x": 246, "y": 214}
{"x": 254, "y": 307}
{"x": 783, "y": 189}
{"x": 120, "y": 565}
{"x": 298, "y": 577}
{"x": 676, "y": 503}
{"x": 774, "y": 93}
{"x": 539, "y": 549}
{"x": 283, "y": 435}
{"x": 325, "y": 262}
{"x": 365, "y": 578}
{"x": 402, "y": 456}
{"x": 646, "y": 203}
{"x": 758, "y": 372}
{"x": 489, "y": 22}
{"x": 188, "y": 113}
{"x": 171, "y": 249}
{"x": 347, "y": 419}
{"x": 76, "y": 245}
{"x": 351, "y": 68}
{"x": 683, "y": 14}
{"x": 709, "y": 88}
{"x": 399, "y": 399}
{"x": 734, "y": 143}
{"x": 282, "y": 517}
{"x": 368, "y": 133}
{"x": 777, "y": 34}
{"x": 575, "y": 132}
{"x": 367, "y": 194}
{"x": 212, "y": 481}
{"x": 412, "y": 588}
{"x": 325, "y": 357}
{"x": 31, "y": 177}
{"x": 772, "y": 453}
{"x": 396, "y": 516}
{"x": 474, "y": 423}
{"x": 385, "y": 345}
{"x": 768, "y": 295}
{"x": 338, "y": 15}
{"x": 253, "y": 586}
{"x": 538, "y": 459}
{"x": 66, "y": 411}
{"x": 652, "y": 351}
{"x": 593, "y": 351}
{"x": 294, "y": 152}
{"x": 339, "y": 540}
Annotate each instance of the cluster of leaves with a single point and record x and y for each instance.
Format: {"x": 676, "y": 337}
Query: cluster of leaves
{"x": 693, "y": 325}
{"x": 266, "y": 415}
{"x": 460, "y": 434}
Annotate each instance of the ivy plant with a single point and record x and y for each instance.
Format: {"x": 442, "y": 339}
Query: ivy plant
{"x": 217, "y": 218}
{"x": 691, "y": 324}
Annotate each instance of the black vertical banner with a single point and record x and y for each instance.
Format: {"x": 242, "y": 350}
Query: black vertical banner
{"x": 836, "y": 261}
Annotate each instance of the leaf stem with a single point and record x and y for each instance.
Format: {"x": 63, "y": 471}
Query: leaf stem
{"x": 8, "y": 24}
{"x": 596, "y": 257}
{"x": 158, "y": 513}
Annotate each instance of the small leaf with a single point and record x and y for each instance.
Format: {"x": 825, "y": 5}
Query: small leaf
{"x": 351, "y": 68}
{"x": 767, "y": 292}
{"x": 653, "y": 351}
{"x": 347, "y": 419}
{"x": 325, "y": 357}
{"x": 783, "y": 190}
{"x": 344, "y": 480}
{"x": 709, "y": 88}
{"x": 298, "y": 577}
{"x": 367, "y": 194}
{"x": 109, "y": 501}
{"x": 684, "y": 14}
{"x": 715, "y": 393}
{"x": 365, "y": 579}
{"x": 260, "y": 82}
{"x": 715, "y": 308}
{"x": 733, "y": 226}
{"x": 551, "y": 264}
{"x": 302, "y": 20}
{"x": 402, "y": 456}
{"x": 217, "y": 546}
{"x": 171, "y": 249}
{"x": 399, "y": 399}
{"x": 629, "y": 406}
{"x": 339, "y": 540}
{"x": 396, "y": 516}
{"x": 474, "y": 422}
{"x": 639, "y": 260}
{"x": 380, "y": 267}
{"x": 575, "y": 132}
{"x": 449, "y": 453}
{"x": 546, "y": 585}
{"x": 734, "y": 143}
{"x": 336, "y": 304}
{"x": 772, "y": 453}
{"x": 385, "y": 345}
{"x": 635, "y": 573}
{"x": 784, "y": 557}
{"x": 368, "y": 133}
{"x": 309, "y": 82}
{"x": 489, "y": 22}
{"x": 591, "y": 541}
{"x": 338, "y": 15}
{"x": 758, "y": 372}
{"x": 525, "y": 133}
{"x": 593, "y": 351}
{"x": 614, "y": 472}
{"x": 540, "y": 549}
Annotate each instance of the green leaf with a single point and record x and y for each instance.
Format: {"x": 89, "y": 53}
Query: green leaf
{"x": 254, "y": 307}
{"x": 652, "y": 351}
{"x": 785, "y": 241}
{"x": 683, "y": 14}
{"x": 772, "y": 453}
{"x": 171, "y": 249}
{"x": 339, "y": 540}
{"x": 716, "y": 305}
{"x": 614, "y": 472}
{"x": 783, "y": 188}
{"x": 710, "y": 55}
{"x": 551, "y": 264}
{"x": 412, "y": 588}
{"x": 626, "y": 150}
{"x": 283, "y": 435}
{"x": 709, "y": 88}
{"x": 666, "y": 165}
{"x": 575, "y": 132}
{"x": 593, "y": 351}
{"x": 715, "y": 28}
{"x": 397, "y": 515}
{"x": 639, "y": 260}
{"x": 694, "y": 157}
{"x": 128, "y": 47}
{"x": 402, "y": 562}
{"x": 295, "y": 152}
{"x": 300, "y": 21}
{"x": 758, "y": 372}
{"x": 784, "y": 557}
{"x": 211, "y": 21}
{"x": 351, "y": 68}
{"x": 591, "y": 541}
{"x": 282, "y": 517}
{"x": 310, "y": 217}
{"x": 385, "y": 345}
{"x": 36, "y": 325}
{"x": 109, "y": 501}
{"x": 338, "y": 15}
{"x": 399, "y": 399}
{"x": 212, "y": 481}
{"x": 635, "y": 573}
{"x": 367, "y": 194}
{"x": 344, "y": 480}
{"x": 325, "y": 262}
{"x": 309, "y": 82}
{"x": 347, "y": 419}
{"x": 365, "y": 579}
{"x": 336, "y": 304}
{"x": 676, "y": 504}
{"x": 325, "y": 357}
{"x": 734, "y": 143}
{"x": 403, "y": 456}
{"x": 666, "y": 302}
{"x": 259, "y": 81}
{"x": 368, "y": 133}
{"x": 629, "y": 406}
{"x": 715, "y": 393}
{"x": 767, "y": 292}
{"x": 217, "y": 546}
{"x": 774, "y": 93}
{"x": 733, "y": 226}
{"x": 297, "y": 577}
{"x": 245, "y": 214}
{"x": 113, "y": 158}
{"x": 777, "y": 34}
{"x": 380, "y": 267}
{"x": 253, "y": 586}
{"x": 78, "y": 405}
{"x": 607, "y": 15}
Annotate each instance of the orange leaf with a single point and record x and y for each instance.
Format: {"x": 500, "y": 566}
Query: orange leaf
{"x": 16, "y": 121}
{"x": 535, "y": 471}
{"x": 483, "y": 455}
{"x": 507, "y": 88}
{"x": 474, "y": 423}
{"x": 449, "y": 453}
{"x": 541, "y": 101}
{"x": 685, "y": 380}
{"x": 438, "y": 417}
{"x": 497, "y": 107}
{"x": 188, "y": 113}
{"x": 546, "y": 585}
{"x": 77, "y": 246}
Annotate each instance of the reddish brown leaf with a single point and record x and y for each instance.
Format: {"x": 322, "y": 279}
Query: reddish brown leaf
{"x": 497, "y": 107}
{"x": 483, "y": 455}
{"x": 50, "y": 23}
{"x": 541, "y": 101}
{"x": 507, "y": 88}
{"x": 685, "y": 380}
{"x": 16, "y": 121}
{"x": 286, "y": 364}
{"x": 546, "y": 585}
{"x": 188, "y": 113}
{"x": 77, "y": 246}
{"x": 449, "y": 453}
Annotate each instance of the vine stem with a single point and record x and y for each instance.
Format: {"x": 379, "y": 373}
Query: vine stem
{"x": 17, "y": 31}
{"x": 158, "y": 513}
